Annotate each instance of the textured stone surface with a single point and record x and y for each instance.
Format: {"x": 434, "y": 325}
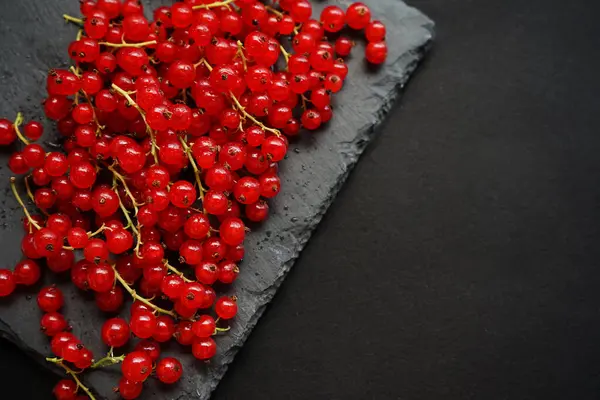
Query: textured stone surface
{"x": 33, "y": 39}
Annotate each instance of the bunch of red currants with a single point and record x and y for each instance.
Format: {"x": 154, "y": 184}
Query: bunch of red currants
{"x": 173, "y": 130}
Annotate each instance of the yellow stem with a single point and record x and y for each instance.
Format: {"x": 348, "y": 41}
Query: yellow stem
{"x": 59, "y": 362}
{"x": 274, "y": 11}
{"x": 142, "y": 44}
{"x": 240, "y": 52}
{"x": 74, "y": 20}
{"x": 206, "y": 63}
{"x": 108, "y": 360}
{"x": 99, "y": 127}
{"x": 17, "y": 123}
{"x": 195, "y": 168}
{"x": 20, "y": 201}
{"x": 285, "y": 53}
{"x": 100, "y": 230}
{"x": 143, "y": 114}
{"x": 213, "y": 5}
{"x": 124, "y": 182}
{"x": 177, "y": 272}
{"x": 137, "y": 297}
{"x": 241, "y": 109}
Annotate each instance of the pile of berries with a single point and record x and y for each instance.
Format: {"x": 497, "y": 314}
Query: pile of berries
{"x": 173, "y": 130}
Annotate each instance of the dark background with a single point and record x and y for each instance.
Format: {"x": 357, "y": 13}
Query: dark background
{"x": 460, "y": 259}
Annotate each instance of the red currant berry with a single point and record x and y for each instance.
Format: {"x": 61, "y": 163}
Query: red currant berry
{"x": 169, "y": 370}
{"x": 7, "y": 282}
{"x": 376, "y": 52}
{"x": 137, "y": 366}
{"x": 143, "y": 324}
{"x": 226, "y": 307}
{"x": 204, "y": 348}
{"x": 50, "y": 299}
{"x": 27, "y": 272}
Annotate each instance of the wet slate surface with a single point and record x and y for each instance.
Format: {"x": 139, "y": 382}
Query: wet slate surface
{"x": 34, "y": 39}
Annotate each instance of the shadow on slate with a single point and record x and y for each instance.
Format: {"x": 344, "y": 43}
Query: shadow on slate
{"x": 311, "y": 175}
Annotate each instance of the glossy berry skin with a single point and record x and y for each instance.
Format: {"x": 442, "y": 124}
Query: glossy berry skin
{"x": 136, "y": 366}
{"x": 50, "y": 299}
{"x": 27, "y": 273}
{"x": 204, "y": 327}
{"x": 332, "y": 18}
{"x": 7, "y": 282}
{"x": 169, "y": 370}
{"x": 65, "y": 389}
{"x": 358, "y": 15}
{"x": 53, "y": 323}
{"x": 7, "y": 132}
{"x": 143, "y": 324}
{"x": 115, "y": 332}
{"x": 204, "y": 348}
{"x": 375, "y": 31}
{"x": 101, "y": 277}
{"x": 232, "y": 231}
{"x": 151, "y": 347}
{"x": 182, "y": 194}
{"x": 129, "y": 390}
{"x": 376, "y": 52}
{"x": 226, "y": 307}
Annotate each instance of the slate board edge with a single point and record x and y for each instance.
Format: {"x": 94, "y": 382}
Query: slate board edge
{"x": 361, "y": 142}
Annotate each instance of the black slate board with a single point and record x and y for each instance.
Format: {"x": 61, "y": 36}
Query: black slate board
{"x": 34, "y": 39}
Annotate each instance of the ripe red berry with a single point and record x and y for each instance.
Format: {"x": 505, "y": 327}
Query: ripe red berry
{"x": 65, "y": 389}
{"x": 7, "y": 282}
{"x": 204, "y": 348}
{"x": 136, "y": 366}
{"x": 53, "y": 323}
{"x": 169, "y": 370}
{"x": 115, "y": 332}
{"x": 226, "y": 307}
{"x": 27, "y": 273}
{"x": 375, "y": 31}
{"x": 358, "y": 15}
{"x": 143, "y": 324}
{"x": 204, "y": 327}
{"x": 376, "y": 52}
{"x": 130, "y": 390}
{"x": 50, "y": 299}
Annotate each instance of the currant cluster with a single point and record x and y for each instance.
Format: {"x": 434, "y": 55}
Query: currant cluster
{"x": 173, "y": 130}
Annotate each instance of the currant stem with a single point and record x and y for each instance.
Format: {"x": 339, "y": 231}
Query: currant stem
{"x": 137, "y": 297}
{"x": 240, "y": 52}
{"x": 142, "y": 44}
{"x": 127, "y": 217}
{"x": 108, "y": 360}
{"x": 124, "y": 182}
{"x": 206, "y": 63}
{"x": 177, "y": 272}
{"x": 99, "y": 127}
{"x": 143, "y": 114}
{"x": 17, "y": 123}
{"x": 195, "y": 168}
{"x": 20, "y": 201}
{"x": 59, "y": 362}
{"x": 286, "y": 55}
{"x": 251, "y": 117}
{"x": 213, "y": 5}
{"x": 100, "y": 230}
{"x": 274, "y": 11}
{"x": 74, "y": 20}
